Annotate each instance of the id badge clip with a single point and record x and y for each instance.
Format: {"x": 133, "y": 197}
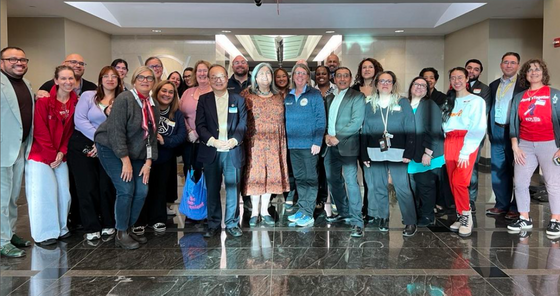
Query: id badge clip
{"x": 387, "y": 136}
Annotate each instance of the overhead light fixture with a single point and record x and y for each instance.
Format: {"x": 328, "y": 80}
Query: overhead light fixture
{"x": 332, "y": 44}
{"x": 156, "y": 31}
{"x": 399, "y": 31}
{"x": 226, "y": 44}
{"x": 226, "y": 31}
{"x": 329, "y": 32}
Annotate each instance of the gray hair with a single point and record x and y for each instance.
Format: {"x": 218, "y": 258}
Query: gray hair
{"x": 254, "y": 86}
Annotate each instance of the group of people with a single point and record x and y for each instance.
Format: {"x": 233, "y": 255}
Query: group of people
{"x": 106, "y": 153}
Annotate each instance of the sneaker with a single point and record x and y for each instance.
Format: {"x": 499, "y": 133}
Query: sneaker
{"x": 253, "y": 221}
{"x": 107, "y": 231}
{"x": 93, "y": 236}
{"x": 384, "y": 224}
{"x": 305, "y": 221}
{"x": 295, "y": 217}
{"x": 455, "y": 226}
{"x": 357, "y": 231}
{"x": 159, "y": 227}
{"x": 409, "y": 230}
{"x": 553, "y": 228}
{"x": 334, "y": 210}
{"x": 466, "y": 224}
{"x": 268, "y": 220}
{"x": 139, "y": 230}
{"x": 521, "y": 224}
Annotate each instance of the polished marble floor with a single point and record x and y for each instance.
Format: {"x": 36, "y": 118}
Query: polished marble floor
{"x": 284, "y": 260}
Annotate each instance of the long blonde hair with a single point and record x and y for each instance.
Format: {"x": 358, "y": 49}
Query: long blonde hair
{"x": 395, "y": 97}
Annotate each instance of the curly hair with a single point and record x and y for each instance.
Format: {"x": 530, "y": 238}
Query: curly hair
{"x": 525, "y": 70}
{"x": 359, "y": 80}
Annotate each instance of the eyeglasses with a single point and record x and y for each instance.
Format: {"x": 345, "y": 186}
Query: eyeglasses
{"x": 418, "y": 85}
{"x": 534, "y": 70}
{"x": 383, "y": 81}
{"x": 237, "y": 63}
{"x": 121, "y": 68}
{"x": 15, "y": 60}
{"x": 218, "y": 77}
{"x": 74, "y": 63}
{"x": 510, "y": 63}
{"x": 345, "y": 75}
{"x": 187, "y": 77}
{"x": 298, "y": 73}
{"x": 110, "y": 76}
{"x": 457, "y": 78}
{"x": 155, "y": 67}
{"x": 145, "y": 78}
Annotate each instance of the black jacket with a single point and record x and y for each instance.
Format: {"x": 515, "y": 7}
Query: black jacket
{"x": 429, "y": 133}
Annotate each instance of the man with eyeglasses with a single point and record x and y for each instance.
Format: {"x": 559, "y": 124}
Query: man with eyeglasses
{"x": 502, "y": 91}
{"x": 221, "y": 122}
{"x": 156, "y": 65}
{"x": 76, "y": 62}
{"x": 17, "y": 134}
{"x": 240, "y": 78}
{"x": 341, "y": 148}
{"x": 474, "y": 69}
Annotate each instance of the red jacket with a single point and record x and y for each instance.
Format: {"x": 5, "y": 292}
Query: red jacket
{"x": 51, "y": 135}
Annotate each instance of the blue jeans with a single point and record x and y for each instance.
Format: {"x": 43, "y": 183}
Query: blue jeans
{"x": 130, "y": 195}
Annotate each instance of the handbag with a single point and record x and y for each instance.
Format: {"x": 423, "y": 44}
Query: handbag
{"x": 193, "y": 201}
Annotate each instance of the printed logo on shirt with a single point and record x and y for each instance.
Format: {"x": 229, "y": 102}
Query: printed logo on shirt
{"x": 303, "y": 102}
{"x": 457, "y": 113}
{"x": 555, "y": 99}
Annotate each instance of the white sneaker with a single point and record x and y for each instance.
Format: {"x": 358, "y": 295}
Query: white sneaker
{"x": 466, "y": 224}
{"x": 93, "y": 236}
{"x": 159, "y": 227}
{"x": 139, "y": 230}
{"x": 455, "y": 226}
{"x": 107, "y": 231}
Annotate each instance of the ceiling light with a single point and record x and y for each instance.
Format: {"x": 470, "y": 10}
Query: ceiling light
{"x": 399, "y": 31}
{"x": 332, "y": 44}
{"x": 156, "y": 31}
{"x": 329, "y": 32}
{"x": 226, "y": 31}
{"x": 226, "y": 44}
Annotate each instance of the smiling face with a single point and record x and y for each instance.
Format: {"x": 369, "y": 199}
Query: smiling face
{"x": 367, "y": 70}
{"x": 18, "y": 69}
{"x": 202, "y": 74}
{"x": 65, "y": 81}
{"x": 509, "y": 65}
{"x": 110, "y": 80}
{"x": 385, "y": 84}
{"x": 264, "y": 78}
{"x": 218, "y": 79}
{"x": 458, "y": 80}
{"x": 122, "y": 70}
{"x": 165, "y": 95}
{"x": 76, "y": 62}
{"x": 535, "y": 74}
{"x": 281, "y": 79}
{"x": 300, "y": 77}
{"x": 474, "y": 70}
{"x": 321, "y": 76}
{"x": 141, "y": 83}
{"x": 240, "y": 66}
{"x": 431, "y": 78}
{"x": 419, "y": 88}
{"x": 155, "y": 65}
{"x": 187, "y": 74}
{"x": 333, "y": 62}
{"x": 175, "y": 78}
{"x": 342, "y": 79}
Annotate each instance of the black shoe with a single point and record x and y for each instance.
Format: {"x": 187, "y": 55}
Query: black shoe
{"x": 124, "y": 240}
{"x": 384, "y": 224}
{"x": 473, "y": 206}
{"x": 211, "y": 232}
{"x": 372, "y": 221}
{"x": 234, "y": 231}
{"x": 357, "y": 231}
{"x": 66, "y": 235}
{"x": 425, "y": 221}
{"x": 409, "y": 230}
{"x": 335, "y": 218}
{"x": 139, "y": 238}
{"x": 48, "y": 242}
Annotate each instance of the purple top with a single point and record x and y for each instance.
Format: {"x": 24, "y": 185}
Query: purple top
{"x": 88, "y": 115}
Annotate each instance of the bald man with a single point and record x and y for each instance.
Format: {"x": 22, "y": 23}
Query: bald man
{"x": 76, "y": 62}
{"x": 333, "y": 62}
{"x": 240, "y": 78}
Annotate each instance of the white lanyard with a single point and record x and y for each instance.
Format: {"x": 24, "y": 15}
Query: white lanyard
{"x": 385, "y": 118}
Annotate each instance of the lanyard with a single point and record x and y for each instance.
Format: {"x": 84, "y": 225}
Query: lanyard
{"x": 502, "y": 91}
{"x": 385, "y": 118}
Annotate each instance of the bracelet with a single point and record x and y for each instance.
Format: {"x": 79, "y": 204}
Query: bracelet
{"x": 431, "y": 156}
{"x": 149, "y": 167}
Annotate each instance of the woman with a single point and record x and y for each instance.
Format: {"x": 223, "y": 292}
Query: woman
{"x": 266, "y": 169}
{"x": 175, "y": 78}
{"x": 46, "y": 172}
{"x": 188, "y": 105}
{"x": 171, "y": 133}
{"x": 322, "y": 83}
{"x": 424, "y": 168}
{"x": 282, "y": 81}
{"x": 387, "y": 145}
{"x": 464, "y": 125}
{"x": 126, "y": 145}
{"x": 535, "y": 138}
{"x": 96, "y": 193}
{"x": 187, "y": 77}
{"x": 305, "y": 127}
{"x": 156, "y": 65}
{"x": 122, "y": 68}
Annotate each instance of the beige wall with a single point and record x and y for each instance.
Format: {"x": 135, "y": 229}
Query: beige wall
{"x": 3, "y": 23}
{"x": 176, "y": 52}
{"x": 405, "y": 56}
{"x": 43, "y": 42}
{"x": 551, "y": 30}
{"x": 93, "y": 45}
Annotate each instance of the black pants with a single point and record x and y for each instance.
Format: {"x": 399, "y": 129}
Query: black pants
{"x": 304, "y": 165}
{"x": 444, "y": 196}
{"x": 155, "y": 206}
{"x": 323, "y": 192}
{"x": 94, "y": 190}
{"x": 424, "y": 186}
{"x": 171, "y": 196}
{"x": 190, "y": 154}
{"x": 292, "y": 194}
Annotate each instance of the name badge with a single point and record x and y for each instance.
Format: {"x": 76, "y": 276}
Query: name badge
{"x": 397, "y": 108}
{"x": 289, "y": 103}
{"x": 233, "y": 109}
{"x": 477, "y": 90}
{"x": 148, "y": 152}
{"x": 540, "y": 103}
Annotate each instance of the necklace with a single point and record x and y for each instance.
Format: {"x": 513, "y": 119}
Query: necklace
{"x": 534, "y": 92}
{"x": 263, "y": 93}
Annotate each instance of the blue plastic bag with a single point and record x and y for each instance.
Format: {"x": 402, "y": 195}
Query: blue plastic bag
{"x": 193, "y": 202}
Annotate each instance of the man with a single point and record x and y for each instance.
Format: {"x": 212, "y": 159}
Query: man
{"x": 17, "y": 135}
{"x": 76, "y": 62}
{"x": 221, "y": 119}
{"x": 502, "y": 91}
{"x": 187, "y": 74}
{"x": 345, "y": 115}
{"x": 155, "y": 64}
{"x": 333, "y": 63}
{"x": 240, "y": 78}
{"x": 474, "y": 68}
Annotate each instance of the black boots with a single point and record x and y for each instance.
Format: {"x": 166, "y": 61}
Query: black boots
{"x": 125, "y": 241}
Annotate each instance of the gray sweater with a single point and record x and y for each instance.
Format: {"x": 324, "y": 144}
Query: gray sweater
{"x": 122, "y": 131}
